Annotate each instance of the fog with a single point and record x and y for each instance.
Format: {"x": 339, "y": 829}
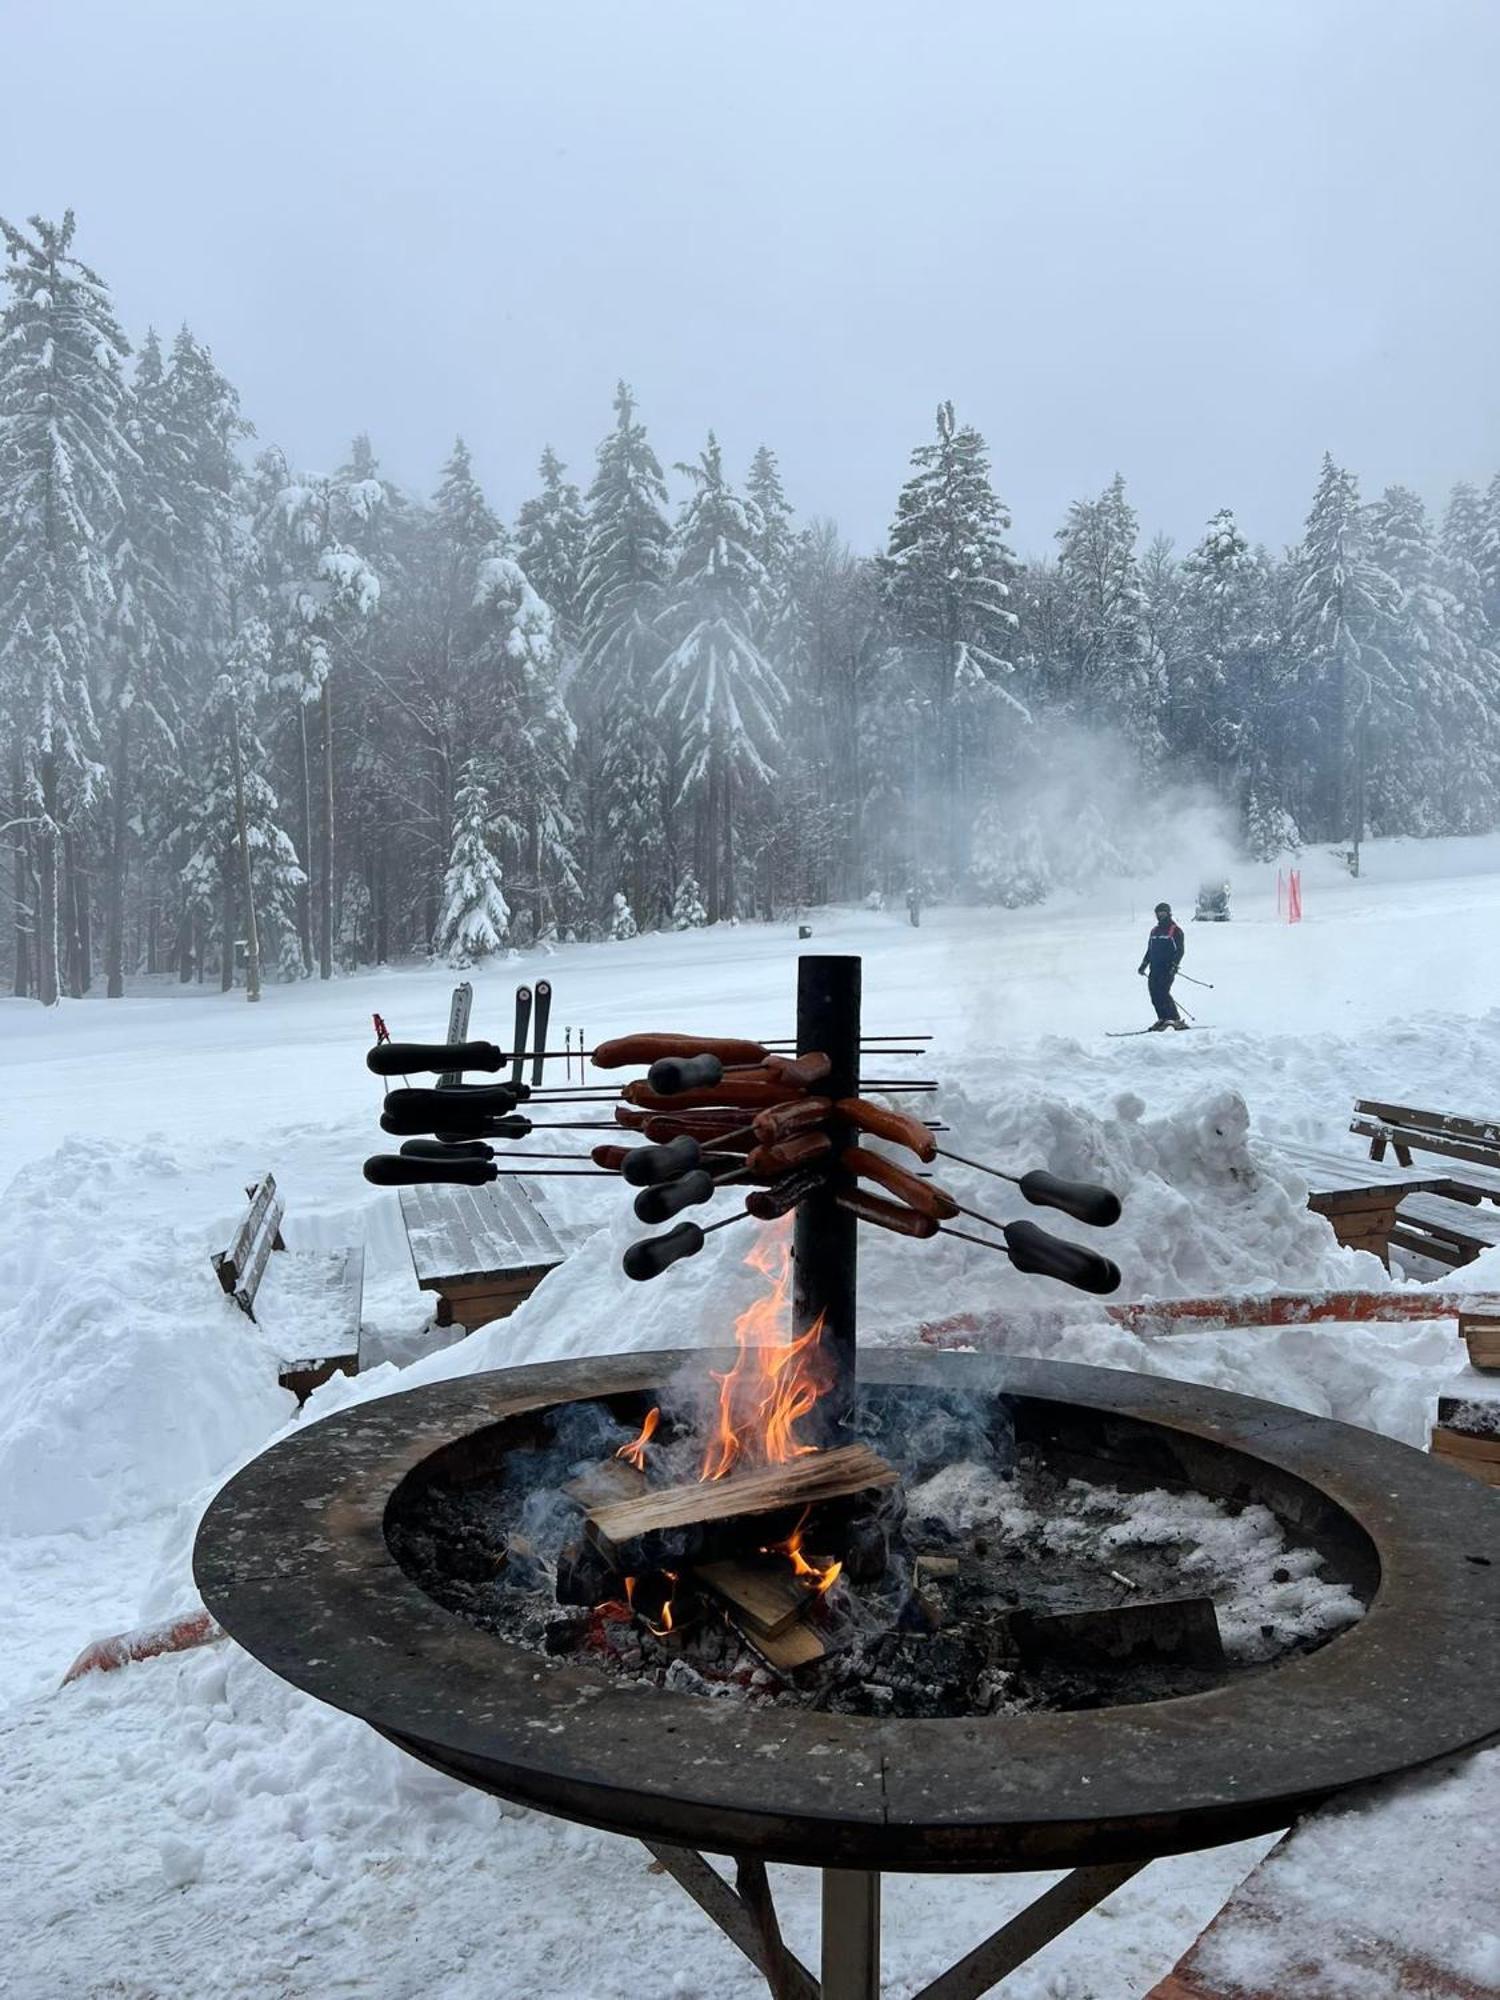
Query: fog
{"x": 1196, "y": 245}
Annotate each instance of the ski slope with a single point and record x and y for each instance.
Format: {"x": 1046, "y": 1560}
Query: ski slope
{"x": 251, "y": 1844}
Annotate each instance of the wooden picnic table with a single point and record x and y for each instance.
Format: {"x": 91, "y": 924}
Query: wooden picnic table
{"x": 1359, "y": 1196}
{"x": 481, "y": 1249}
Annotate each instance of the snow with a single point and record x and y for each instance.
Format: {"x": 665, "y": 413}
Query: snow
{"x": 255, "y": 1844}
{"x": 1317, "y": 1920}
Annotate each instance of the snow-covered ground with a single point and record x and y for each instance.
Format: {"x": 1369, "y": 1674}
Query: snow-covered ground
{"x": 190, "y": 1827}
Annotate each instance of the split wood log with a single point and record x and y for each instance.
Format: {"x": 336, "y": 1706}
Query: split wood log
{"x": 683, "y": 1521}
{"x": 798, "y": 1646}
{"x": 765, "y": 1601}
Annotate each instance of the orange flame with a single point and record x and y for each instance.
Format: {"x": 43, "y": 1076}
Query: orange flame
{"x": 774, "y": 1381}
{"x": 661, "y": 1631}
{"x": 822, "y": 1576}
{"x": 634, "y": 1453}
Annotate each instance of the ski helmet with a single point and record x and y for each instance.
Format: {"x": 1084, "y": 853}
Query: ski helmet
{"x": 1164, "y": 909}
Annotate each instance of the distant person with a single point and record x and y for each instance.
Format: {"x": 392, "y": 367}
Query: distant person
{"x": 1164, "y": 949}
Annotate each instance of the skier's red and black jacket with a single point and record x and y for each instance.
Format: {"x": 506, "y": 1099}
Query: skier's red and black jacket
{"x": 1164, "y": 948}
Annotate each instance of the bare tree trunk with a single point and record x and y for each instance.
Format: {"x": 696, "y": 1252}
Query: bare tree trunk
{"x": 325, "y": 887}
{"x": 382, "y": 895}
{"x": 25, "y": 885}
{"x": 153, "y": 924}
{"x": 114, "y": 922}
{"x": 731, "y": 907}
{"x": 226, "y": 924}
{"x": 83, "y": 926}
{"x": 708, "y": 836}
{"x": 47, "y": 871}
{"x": 304, "y": 892}
{"x": 71, "y": 943}
{"x": 200, "y": 945}
{"x": 252, "y": 934}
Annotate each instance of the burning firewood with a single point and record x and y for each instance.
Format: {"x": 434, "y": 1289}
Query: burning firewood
{"x": 672, "y": 1521}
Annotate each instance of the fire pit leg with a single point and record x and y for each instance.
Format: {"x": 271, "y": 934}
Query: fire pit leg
{"x": 824, "y": 1236}
{"x": 1053, "y": 1912}
{"x": 851, "y": 1934}
{"x": 747, "y": 1919}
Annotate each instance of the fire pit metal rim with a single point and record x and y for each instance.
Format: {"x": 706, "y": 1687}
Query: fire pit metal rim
{"x": 291, "y": 1558}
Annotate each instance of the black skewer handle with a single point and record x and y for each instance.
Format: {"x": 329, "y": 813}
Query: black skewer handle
{"x": 649, "y": 1166}
{"x": 1032, "y": 1249}
{"x": 410, "y": 1058}
{"x": 467, "y": 1114}
{"x": 1083, "y": 1200}
{"x": 399, "y": 1123}
{"x": 392, "y": 1170}
{"x": 650, "y": 1258}
{"x": 658, "y": 1204}
{"x": 446, "y": 1149}
{"x": 674, "y": 1073}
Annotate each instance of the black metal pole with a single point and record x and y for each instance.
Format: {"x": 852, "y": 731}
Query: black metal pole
{"x": 824, "y": 1236}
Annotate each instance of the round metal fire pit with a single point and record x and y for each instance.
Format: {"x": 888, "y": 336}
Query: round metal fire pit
{"x": 292, "y": 1558}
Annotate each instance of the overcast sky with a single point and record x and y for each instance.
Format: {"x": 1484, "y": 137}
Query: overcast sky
{"x": 1196, "y": 242}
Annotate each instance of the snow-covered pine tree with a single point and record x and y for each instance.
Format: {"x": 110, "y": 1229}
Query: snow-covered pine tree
{"x": 688, "y": 913}
{"x": 322, "y": 590}
{"x": 622, "y": 922}
{"x": 716, "y": 688}
{"x": 1227, "y": 713}
{"x": 439, "y": 687}
{"x": 371, "y": 774}
{"x": 63, "y": 451}
{"x": 1106, "y": 669}
{"x": 1342, "y": 605}
{"x": 834, "y": 660}
{"x": 143, "y": 696}
{"x": 774, "y": 541}
{"x": 531, "y": 736}
{"x": 947, "y": 575}
{"x": 241, "y": 863}
{"x": 623, "y": 760}
{"x": 475, "y": 918}
{"x": 550, "y": 533}
{"x": 1267, "y": 829}
{"x": 1487, "y": 557}
{"x": 1436, "y": 725}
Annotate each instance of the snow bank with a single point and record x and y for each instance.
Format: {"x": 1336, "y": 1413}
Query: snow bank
{"x": 126, "y": 1379}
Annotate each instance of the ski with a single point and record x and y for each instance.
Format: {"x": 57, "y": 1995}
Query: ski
{"x": 523, "y": 1030}
{"x": 1125, "y": 1034}
{"x": 543, "y": 1009}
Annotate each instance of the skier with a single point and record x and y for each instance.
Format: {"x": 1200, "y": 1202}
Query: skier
{"x": 1164, "y": 949}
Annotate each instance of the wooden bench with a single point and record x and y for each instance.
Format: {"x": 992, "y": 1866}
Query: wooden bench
{"x": 1450, "y": 1232}
{"x": 1356, "y": 1898}
{"x": 481, "y": 1249}
{"x": 1407, "y": 1130}
{"x": 1359, "y": 1197}
{"x": 321, "y": 1290}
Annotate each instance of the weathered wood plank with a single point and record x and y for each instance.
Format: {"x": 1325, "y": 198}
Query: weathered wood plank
{"x": 469, "y": 1234}
{"x": 233, "y": 1261}
{"x": 768, "y": 1489}
{"x": 255, "y": 1267}
{"x": 1469, "y": 1228}
{"x": 1482, "y": 1131}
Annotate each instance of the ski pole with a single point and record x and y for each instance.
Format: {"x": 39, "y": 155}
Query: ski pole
{"x": 1196, "y": 982}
